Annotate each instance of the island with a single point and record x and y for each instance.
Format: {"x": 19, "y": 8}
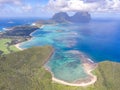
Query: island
{"x": 25, "y": 70}
{"x": 78, "y": 17}
{"x": 63, "y": 17}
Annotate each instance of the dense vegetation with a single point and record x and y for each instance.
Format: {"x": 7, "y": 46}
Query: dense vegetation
{"x": 24, "y": 71}
{"x": 18, "y": 34}
{"x": 5, "y": 46}
{"x": 24, "y": 30}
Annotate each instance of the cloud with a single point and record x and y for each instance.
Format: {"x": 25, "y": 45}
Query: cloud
{"x": 26, "y": 8}
{"x": 22, "y": 8}
{"x": 32, "y": 8}
{"x": 84, "y": 5}
{"x": 6, "y": 2}
{"x": 14, "y": 8}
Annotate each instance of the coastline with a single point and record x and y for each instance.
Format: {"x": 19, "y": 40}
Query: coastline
{"x": 18, "y": 45}
{"x": 88, "y": 66}
{"x": 42, "y": 26}
{"x": 86, "y": 62}
{"x": 80, "y": 83}
{"x": 47, "y": 59}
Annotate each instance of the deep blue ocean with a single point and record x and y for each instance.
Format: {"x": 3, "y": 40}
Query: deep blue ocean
{"x": 10, "y": 22}
{"x": 99, "y": 40}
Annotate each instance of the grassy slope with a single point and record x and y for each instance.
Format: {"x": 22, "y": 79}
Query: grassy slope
{"x": 24, "y": 71}
{"x": 3, "y": 46}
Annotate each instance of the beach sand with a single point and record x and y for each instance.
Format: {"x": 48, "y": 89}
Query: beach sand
{"x": 88, "y": 70}
{"x": 18, "y": 46}
{"x": 88, "y": 66}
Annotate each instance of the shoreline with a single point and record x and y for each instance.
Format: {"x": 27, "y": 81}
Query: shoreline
{"x": 42, "y": 26}
{"x": 81, "y": 83}
{"x": 88, "y": 66}
{"x": 18, "y": 44}
{"x": 48, "y": 58}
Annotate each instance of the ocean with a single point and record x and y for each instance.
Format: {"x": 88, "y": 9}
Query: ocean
{"x": 10, "y": 22}
{"x": 98, "y": 40}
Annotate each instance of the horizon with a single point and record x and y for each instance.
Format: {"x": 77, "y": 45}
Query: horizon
{"x": 93, "y": 15}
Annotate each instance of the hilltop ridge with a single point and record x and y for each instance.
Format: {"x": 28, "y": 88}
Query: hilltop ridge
{"x": 78, "y": 17}
{"x": 63, "y": 17}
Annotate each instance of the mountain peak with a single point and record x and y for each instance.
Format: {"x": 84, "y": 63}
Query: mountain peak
{"x": 60, "y": 17}
{"x": 78, "y": 17}
{"x": 82, "y": 17}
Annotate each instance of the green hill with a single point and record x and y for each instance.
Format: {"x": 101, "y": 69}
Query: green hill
{"x": 24, "y": 71}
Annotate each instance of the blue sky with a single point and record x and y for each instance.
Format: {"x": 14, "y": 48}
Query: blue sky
{"x": 45, "y": 8}
{"x": 36, "y": 1}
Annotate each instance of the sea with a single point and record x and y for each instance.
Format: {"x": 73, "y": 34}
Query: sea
{"x": 99, "y": 40}
{"x": 13, "y": 21}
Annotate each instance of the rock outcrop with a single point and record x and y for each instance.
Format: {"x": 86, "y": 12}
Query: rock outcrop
{"x": 63, "y": 17}
{"x": 78, "y": 17}
{"x": 60, "y": 17}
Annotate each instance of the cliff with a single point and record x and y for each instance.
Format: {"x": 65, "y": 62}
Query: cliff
{"x": 78, "y": 17}
{"x": 63, "y": 17}
{"x": 60, "y": 17}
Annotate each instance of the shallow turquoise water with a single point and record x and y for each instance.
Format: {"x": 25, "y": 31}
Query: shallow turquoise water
{"x": 99, "y": 40}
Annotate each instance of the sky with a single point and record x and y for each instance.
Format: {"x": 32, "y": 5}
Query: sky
{"x": 45, "y": 8}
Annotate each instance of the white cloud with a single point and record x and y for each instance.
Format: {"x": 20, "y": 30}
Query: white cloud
{"x": 79, "y": 5}
{"x": 26, "y": 8}
{"x": 85, "y": 5}
{"x": 15, "y": 2}
{"x": 20, "y": 7}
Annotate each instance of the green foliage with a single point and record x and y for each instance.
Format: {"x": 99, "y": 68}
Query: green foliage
{"x": 108, "y": 76}
{"x": 23, "y": 30}
{"x": 5, "y": 47}
{"x": 24, "y": 71}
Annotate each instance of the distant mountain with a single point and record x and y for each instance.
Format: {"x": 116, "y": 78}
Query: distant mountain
{"x": 60, "y": 17}
{"x": 63, "y": 17}
{"x": 78, "y": 17}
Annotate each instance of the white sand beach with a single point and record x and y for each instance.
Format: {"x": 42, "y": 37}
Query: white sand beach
{"x": 17, "y": 45}
{"x": 88, "y": 71}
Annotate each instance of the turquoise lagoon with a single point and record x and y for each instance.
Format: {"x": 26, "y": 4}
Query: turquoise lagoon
{"x": 98, "y": 40}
